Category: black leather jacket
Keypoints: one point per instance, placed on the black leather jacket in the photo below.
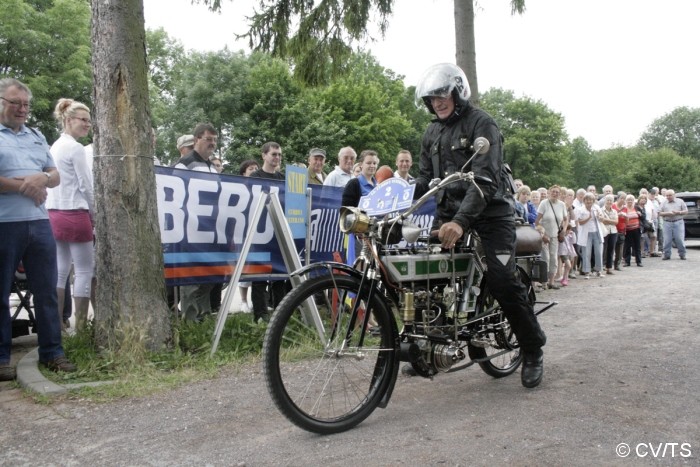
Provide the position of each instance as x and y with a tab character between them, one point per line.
451	141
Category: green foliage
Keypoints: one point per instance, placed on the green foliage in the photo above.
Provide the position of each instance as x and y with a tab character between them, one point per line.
368	102
678	130
535	140
581	157
47	46
165	57
254	99
630	169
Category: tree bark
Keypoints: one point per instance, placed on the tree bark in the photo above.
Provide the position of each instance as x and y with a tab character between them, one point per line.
465	44
129	258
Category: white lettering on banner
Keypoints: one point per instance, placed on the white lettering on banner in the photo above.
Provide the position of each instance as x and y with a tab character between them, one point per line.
172	207
196	209
314	219
233	200
233	212
268	234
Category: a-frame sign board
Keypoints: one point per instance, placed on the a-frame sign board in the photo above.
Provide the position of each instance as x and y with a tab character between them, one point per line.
286	242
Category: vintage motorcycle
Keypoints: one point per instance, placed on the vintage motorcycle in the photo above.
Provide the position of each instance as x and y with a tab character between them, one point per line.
334	344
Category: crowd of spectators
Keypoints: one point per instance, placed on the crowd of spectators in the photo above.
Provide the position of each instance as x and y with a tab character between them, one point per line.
589	236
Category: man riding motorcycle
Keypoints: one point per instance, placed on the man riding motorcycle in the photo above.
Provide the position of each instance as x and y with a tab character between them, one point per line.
446	147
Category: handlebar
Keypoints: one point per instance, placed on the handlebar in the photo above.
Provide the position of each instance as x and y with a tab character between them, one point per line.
481	146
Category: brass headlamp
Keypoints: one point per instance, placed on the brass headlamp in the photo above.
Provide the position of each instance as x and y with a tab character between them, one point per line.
354	220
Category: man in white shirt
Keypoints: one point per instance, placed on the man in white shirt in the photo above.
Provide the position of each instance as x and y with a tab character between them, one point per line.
404	161
343	171
607	190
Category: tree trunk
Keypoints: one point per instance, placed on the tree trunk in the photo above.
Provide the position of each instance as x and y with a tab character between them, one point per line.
131	303
465	44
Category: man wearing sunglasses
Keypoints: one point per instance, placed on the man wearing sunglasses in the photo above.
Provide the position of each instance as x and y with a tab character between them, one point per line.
272	164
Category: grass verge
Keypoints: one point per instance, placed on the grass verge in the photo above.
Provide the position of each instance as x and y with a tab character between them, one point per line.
135	372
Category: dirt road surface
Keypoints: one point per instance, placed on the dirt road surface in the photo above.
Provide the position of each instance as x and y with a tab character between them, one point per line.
621	366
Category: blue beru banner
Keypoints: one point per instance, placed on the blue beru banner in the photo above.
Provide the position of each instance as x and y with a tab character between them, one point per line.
204	218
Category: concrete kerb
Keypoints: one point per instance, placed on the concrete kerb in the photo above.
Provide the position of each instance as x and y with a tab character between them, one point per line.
30	378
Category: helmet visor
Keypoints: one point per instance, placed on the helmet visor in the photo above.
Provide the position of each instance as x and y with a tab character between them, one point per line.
437	81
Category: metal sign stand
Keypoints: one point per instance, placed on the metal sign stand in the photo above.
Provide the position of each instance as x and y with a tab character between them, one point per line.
284	236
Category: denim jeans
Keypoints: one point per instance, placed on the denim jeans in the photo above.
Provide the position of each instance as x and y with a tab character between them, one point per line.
592	245
674	231
32	243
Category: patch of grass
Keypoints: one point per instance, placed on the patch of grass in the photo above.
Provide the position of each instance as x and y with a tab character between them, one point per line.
134	371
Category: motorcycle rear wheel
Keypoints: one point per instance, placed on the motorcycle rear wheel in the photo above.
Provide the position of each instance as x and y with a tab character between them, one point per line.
505	364
327	377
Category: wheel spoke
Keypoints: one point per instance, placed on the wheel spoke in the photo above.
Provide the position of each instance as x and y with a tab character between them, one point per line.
328	385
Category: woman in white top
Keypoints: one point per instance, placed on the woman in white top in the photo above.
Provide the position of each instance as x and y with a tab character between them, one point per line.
71	206
589	239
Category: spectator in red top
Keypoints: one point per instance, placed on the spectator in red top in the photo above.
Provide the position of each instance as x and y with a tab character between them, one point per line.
633	233
621	223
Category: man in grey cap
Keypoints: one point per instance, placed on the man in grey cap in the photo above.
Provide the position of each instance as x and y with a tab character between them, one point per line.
317	157
185	144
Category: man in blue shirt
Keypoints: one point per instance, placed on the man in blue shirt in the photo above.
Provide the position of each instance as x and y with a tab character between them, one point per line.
26	171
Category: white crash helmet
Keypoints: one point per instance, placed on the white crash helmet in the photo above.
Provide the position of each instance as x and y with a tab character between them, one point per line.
439	81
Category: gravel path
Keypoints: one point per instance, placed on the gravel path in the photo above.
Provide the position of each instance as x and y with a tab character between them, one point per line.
621	366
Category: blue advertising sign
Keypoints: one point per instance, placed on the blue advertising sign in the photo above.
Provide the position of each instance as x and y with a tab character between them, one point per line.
296	182
393	194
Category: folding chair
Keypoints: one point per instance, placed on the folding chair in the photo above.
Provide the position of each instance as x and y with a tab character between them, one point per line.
20	287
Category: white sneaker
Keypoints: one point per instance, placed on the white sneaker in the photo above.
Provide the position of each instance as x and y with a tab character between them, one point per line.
245	308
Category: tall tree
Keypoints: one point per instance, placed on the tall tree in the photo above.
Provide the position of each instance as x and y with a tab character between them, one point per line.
165	62
131	289
581	159
319	35
366	103
465	40
536	144
46	44
678	130
325	31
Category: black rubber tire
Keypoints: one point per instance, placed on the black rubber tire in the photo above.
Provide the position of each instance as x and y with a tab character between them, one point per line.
506	364
330	388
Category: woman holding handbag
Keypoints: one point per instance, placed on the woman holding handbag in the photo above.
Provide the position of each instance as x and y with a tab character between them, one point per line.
551	223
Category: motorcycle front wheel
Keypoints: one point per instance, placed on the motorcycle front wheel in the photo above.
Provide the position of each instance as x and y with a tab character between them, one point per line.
324	372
